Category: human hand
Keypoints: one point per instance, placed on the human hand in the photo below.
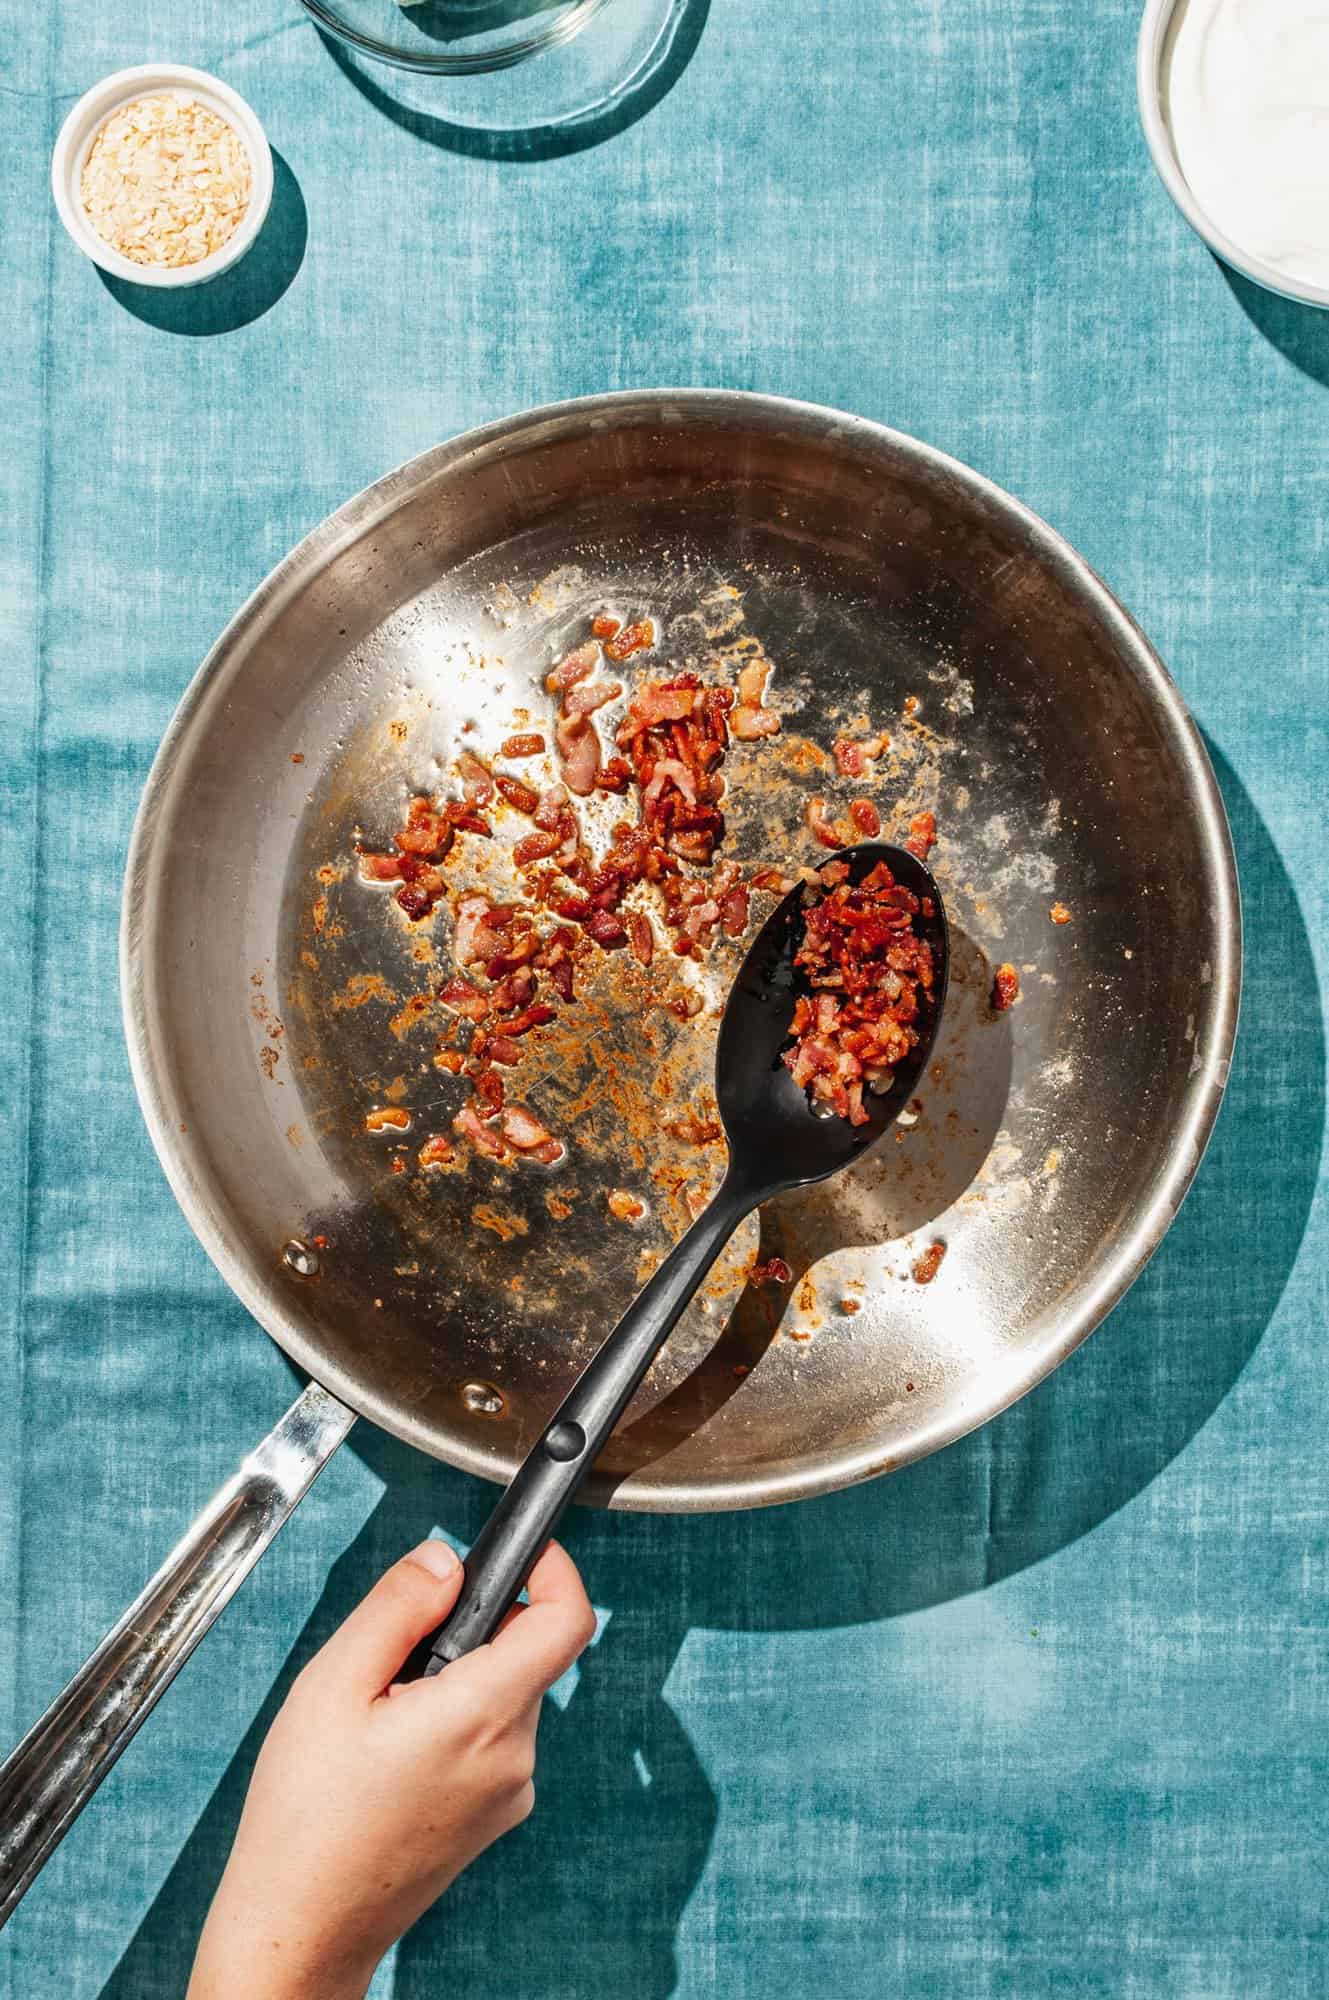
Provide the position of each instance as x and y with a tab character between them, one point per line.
370	1797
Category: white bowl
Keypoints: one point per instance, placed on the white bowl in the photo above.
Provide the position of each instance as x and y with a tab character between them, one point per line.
86	119
1152	55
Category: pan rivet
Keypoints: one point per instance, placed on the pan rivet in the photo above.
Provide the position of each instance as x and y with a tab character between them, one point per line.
298	1257
482	1399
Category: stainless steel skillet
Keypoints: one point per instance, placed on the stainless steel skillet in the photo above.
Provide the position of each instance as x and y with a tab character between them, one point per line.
270	1002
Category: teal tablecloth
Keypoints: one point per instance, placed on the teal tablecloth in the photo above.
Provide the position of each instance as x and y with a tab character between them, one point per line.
1043	1716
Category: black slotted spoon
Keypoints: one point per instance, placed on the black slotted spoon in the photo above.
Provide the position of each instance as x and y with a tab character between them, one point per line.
776	1142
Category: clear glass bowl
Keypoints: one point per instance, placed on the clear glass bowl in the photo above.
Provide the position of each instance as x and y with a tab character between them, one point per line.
453	37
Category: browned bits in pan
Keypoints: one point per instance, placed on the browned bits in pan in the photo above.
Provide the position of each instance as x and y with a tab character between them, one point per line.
922	834
516	793
634	638
1005	988
927	1266
388	1118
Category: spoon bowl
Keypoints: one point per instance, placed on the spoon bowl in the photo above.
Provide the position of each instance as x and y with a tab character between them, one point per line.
771	1127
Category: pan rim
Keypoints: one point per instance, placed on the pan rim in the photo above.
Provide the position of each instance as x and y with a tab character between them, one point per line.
1094	1297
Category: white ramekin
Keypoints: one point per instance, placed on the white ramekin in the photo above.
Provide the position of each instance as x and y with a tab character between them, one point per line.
86	119
1151	62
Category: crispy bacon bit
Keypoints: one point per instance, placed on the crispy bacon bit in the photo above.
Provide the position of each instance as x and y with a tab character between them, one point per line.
1059	914
685	1002
751	719
468	1124
471	911
489	1092
590	695
414	898
748	724
530	1017
1005	988
502	1049
660	701
574	732
866	818
551	809
548	1155
606	929
529	744
922	834
436	1152
465	999
773	1272
579	748
867	976
535	847
427	831
615	776
734	911
389	1118
451	1060
477	781
641	937
773	880
818	824
927	1266
603	626
574	667
518	795
380	868
634	638
624	1206
466	819
423	839
855	760
523	1131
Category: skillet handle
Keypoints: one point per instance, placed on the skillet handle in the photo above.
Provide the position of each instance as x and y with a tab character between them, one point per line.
49	1778
504	1553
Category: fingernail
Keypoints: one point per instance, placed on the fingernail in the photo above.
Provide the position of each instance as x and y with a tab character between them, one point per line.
437	1557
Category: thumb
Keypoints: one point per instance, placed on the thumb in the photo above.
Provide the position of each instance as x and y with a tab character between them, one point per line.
368	1651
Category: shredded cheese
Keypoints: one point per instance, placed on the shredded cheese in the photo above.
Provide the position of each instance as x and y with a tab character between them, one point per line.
166	180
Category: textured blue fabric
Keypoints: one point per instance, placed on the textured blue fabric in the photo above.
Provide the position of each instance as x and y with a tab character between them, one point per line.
1043	1716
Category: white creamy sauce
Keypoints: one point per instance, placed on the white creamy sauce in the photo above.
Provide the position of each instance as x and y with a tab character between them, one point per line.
1247	99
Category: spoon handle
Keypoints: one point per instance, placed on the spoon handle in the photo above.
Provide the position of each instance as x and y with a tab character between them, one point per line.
506	1548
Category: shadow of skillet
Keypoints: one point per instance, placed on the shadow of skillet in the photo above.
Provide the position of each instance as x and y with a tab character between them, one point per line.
1035	1479
558	138
245	292
896	1189
1299	331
